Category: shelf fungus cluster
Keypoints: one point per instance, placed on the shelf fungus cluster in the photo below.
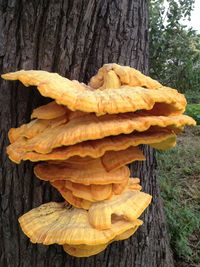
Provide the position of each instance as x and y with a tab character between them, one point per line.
83	140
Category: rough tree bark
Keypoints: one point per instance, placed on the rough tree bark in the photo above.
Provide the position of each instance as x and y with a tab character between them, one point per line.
73	38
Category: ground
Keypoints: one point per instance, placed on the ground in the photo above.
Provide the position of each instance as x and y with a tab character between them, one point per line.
178	171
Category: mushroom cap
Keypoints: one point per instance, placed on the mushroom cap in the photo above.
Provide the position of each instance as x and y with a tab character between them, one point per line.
84	250
95	173
135	187
53	110
56	223
130	205
35	127
88	250
92	193
82	196
91	127
77	96
120	187
113	76
112	160
49	111
162	138
68	195
98	192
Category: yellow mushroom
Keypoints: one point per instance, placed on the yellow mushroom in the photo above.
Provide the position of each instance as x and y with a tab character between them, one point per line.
49	111
90	250
94	148
126	75
76	173
129	205
77	96
57	223
112	160
34	128
91	127
75	193
87	136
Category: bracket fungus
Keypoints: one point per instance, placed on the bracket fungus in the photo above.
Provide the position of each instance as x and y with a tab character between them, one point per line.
49	111
95	173
94	148
131	97
91	127
57	223
129	205
85	137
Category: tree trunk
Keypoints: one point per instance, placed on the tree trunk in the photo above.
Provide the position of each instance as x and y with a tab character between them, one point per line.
73	38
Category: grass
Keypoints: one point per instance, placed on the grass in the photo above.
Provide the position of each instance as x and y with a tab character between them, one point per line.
193	110
193	107
178	171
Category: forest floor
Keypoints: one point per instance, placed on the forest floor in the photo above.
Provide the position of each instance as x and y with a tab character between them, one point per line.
178	171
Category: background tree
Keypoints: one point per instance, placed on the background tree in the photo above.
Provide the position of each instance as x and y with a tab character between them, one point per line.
174	49
73	38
